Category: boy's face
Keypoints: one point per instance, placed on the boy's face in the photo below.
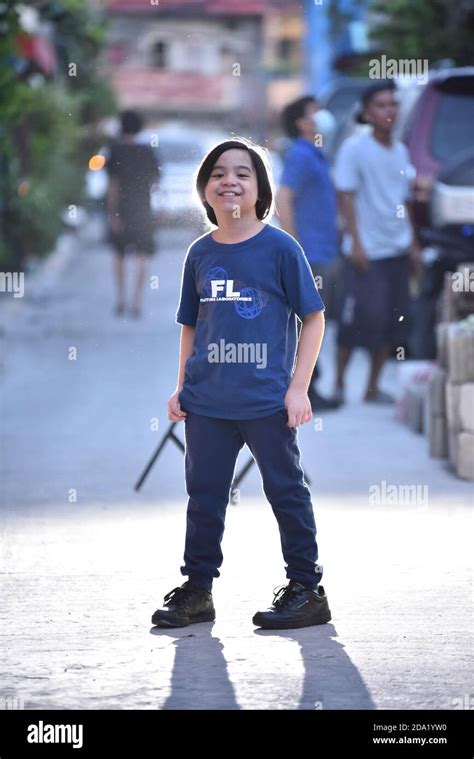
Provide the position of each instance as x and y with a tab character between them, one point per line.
382	110
306	124
232	186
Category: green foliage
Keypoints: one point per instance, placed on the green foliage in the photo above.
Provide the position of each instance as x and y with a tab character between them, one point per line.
45	134
431	29
56	165
96	101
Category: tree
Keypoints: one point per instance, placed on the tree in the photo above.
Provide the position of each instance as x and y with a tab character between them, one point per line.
431	29
46	126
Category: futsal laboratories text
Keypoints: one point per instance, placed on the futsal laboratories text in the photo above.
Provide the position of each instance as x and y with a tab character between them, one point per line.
218	285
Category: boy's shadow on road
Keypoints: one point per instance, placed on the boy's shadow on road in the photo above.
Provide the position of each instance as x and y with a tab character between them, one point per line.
200	678
331	680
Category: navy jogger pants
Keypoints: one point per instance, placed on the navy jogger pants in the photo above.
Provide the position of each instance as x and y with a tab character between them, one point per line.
212	447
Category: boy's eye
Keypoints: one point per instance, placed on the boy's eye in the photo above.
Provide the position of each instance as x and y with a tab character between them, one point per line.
220	174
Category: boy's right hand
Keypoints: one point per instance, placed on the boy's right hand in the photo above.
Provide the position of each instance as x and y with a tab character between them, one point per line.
358	257
174	409
115	224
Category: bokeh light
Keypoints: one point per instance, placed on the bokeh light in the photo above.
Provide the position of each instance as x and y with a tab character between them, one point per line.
96	162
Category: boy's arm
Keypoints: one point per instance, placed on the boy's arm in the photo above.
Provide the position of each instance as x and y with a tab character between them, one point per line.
292	180
309	345
284	205
112	203
346	204
347	179
296	399
416	253
186	347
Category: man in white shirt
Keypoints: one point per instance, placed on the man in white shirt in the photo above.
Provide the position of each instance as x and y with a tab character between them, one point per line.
373	178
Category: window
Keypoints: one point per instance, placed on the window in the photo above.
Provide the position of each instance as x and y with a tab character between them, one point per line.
285	48
159	55
454	117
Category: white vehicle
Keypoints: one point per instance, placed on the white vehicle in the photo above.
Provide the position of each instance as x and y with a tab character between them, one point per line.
180	151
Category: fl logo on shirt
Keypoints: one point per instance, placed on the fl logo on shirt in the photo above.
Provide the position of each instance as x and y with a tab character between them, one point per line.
218	286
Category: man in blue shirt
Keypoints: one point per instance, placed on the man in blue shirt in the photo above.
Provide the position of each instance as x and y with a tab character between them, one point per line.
306	203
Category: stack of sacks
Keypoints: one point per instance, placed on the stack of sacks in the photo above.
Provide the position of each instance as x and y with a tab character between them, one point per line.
458	343
436	414
412	380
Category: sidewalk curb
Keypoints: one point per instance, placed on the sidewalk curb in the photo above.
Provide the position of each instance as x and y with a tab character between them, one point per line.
41	282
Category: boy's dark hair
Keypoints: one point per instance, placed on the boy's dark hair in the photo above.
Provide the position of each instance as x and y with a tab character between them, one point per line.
368	94
293	112
131	122
265	193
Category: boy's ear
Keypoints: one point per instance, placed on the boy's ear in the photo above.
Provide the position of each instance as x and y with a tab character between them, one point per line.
298	122
361	116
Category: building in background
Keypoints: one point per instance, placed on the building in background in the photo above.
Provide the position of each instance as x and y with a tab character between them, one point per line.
283	56
235	63
223	60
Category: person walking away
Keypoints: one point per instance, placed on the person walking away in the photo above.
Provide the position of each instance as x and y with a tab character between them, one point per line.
244	284
306	204
133	169
373	177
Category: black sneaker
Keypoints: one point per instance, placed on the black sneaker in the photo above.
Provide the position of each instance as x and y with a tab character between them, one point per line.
319	403
185	606
295	606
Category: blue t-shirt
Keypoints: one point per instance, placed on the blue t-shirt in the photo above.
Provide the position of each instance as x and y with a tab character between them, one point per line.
306	172
243	299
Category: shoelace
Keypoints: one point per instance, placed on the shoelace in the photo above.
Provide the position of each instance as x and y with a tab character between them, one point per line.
282	594
179	596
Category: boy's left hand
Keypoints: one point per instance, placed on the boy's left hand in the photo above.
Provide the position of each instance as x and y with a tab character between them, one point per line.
416	260
298	407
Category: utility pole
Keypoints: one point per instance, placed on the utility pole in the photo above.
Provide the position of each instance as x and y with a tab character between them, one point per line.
318	52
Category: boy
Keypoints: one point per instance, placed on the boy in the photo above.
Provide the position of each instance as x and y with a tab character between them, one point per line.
243	285
306	203
373	178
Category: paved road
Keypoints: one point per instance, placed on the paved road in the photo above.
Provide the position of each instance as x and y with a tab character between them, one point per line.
85	559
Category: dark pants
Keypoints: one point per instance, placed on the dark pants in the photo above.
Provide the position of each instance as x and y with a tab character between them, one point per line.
326	287
375	304
212	446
